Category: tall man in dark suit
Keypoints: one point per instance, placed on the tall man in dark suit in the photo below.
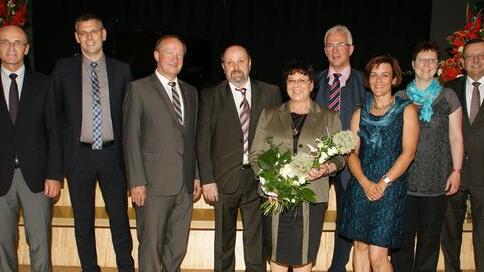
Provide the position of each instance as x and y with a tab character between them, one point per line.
89	90
224	136
341	89
470	90
160	118
30	164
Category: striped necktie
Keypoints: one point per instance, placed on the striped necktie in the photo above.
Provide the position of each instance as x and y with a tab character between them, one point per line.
244	118
176	102
97	131
335	94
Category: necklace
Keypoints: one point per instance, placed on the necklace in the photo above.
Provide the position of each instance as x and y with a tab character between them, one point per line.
297	127
382	108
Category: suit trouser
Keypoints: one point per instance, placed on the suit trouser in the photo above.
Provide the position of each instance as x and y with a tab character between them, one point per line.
163	226
226	209
103	165
36	209
424	218
451	237
342	246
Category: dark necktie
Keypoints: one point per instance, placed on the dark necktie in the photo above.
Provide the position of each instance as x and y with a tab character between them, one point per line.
475	101
13	99
335	93
244	118
97	132
176	102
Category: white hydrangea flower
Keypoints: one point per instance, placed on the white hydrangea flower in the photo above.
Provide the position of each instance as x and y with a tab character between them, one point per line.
286	171
301	180
262	180
312	148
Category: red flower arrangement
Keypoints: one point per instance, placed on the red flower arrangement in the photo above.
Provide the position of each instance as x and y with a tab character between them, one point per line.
13	12
451	68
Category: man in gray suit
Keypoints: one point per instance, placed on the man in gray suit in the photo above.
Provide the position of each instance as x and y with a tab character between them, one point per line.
229	113
159	118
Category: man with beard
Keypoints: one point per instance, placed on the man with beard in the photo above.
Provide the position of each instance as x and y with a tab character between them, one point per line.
229	113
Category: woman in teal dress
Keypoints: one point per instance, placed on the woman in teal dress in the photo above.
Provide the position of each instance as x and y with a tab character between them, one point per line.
388	132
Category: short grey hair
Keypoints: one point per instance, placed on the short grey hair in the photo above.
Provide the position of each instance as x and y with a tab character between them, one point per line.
339	28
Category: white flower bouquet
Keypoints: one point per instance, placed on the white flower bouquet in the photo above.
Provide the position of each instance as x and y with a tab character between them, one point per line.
284	178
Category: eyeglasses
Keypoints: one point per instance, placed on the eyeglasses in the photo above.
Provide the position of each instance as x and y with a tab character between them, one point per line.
16	44
427	61
89	33
302	82
479	57
338	46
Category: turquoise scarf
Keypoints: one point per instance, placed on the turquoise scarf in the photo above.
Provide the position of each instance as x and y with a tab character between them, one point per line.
424	98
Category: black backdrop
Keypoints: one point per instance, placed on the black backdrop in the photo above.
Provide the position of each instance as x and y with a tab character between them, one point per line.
274	31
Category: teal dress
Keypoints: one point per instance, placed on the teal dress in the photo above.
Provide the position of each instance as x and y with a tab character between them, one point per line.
379	222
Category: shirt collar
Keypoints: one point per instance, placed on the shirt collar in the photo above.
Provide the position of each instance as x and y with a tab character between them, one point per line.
101	61
470	81
246	86
345	74
20	72
165	80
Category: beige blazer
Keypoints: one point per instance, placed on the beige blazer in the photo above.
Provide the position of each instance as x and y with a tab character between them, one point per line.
276	122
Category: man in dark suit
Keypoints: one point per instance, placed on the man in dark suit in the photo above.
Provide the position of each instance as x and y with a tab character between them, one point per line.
160	118
470	91
89	90
341	89
30	164
229	113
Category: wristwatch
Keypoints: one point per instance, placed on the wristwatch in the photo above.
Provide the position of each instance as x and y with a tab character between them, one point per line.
388	181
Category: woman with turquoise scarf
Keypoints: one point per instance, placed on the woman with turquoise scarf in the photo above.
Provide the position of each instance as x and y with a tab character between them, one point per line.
435	172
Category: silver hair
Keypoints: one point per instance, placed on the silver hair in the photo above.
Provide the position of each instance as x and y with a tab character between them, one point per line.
339	28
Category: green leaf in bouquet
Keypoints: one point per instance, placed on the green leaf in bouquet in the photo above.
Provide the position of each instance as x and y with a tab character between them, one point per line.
308	195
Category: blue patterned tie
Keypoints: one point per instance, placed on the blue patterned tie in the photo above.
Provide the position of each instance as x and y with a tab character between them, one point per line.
97	132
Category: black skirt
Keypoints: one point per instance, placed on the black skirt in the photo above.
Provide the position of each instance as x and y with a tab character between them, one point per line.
293	237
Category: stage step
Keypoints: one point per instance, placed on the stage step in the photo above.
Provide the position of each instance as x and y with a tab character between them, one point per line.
200	246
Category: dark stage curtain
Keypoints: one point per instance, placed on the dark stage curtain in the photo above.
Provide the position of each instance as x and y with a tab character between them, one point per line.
274	31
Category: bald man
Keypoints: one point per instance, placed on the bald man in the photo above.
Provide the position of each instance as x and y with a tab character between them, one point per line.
223	157
30	158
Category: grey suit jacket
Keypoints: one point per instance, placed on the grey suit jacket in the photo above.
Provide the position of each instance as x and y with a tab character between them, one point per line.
158	152
219	133
473	170
276	122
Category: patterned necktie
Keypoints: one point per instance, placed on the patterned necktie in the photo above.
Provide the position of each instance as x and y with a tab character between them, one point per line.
97	132
475	101
13	99
244	118
176	102
335	94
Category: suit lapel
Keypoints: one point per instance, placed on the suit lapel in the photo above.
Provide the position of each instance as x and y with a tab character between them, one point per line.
75	82
25	95
158	87
255	109
111	74
187	105
3	104
228	99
